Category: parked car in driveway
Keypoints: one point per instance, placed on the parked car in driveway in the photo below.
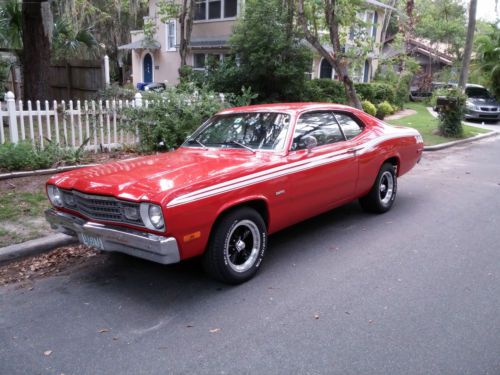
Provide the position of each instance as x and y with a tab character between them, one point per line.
244	174
481	105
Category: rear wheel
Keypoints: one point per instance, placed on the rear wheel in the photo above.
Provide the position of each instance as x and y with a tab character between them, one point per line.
236	247
383	193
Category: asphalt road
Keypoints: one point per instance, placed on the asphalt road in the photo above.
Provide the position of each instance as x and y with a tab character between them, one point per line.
414	291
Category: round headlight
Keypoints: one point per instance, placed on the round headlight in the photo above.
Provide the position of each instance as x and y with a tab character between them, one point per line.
156	216
55	195
131	213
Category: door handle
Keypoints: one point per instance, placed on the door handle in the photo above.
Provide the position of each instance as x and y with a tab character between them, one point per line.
353	150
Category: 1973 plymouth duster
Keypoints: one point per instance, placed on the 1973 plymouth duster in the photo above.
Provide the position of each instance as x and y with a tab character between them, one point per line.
244	174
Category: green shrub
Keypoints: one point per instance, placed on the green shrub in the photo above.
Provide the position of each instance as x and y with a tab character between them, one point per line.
369	107
174	114
450	117
324	90
376	92
384	109
116	92
25	156
402	94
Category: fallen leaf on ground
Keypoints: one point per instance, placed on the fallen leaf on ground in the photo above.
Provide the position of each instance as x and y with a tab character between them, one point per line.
104	330
316	316
47	353
215	330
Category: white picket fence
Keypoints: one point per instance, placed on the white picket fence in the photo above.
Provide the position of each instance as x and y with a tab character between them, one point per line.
70	124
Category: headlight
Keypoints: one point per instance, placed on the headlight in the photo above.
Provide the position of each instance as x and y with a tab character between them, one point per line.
156	216
470	105
55	195
152	216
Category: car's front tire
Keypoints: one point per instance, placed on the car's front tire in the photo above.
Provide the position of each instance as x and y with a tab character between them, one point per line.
236	247
383	193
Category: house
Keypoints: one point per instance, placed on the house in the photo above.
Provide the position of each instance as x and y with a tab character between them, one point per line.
432	58
158	60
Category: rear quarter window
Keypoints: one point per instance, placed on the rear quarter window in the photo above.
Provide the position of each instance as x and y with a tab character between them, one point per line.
350	126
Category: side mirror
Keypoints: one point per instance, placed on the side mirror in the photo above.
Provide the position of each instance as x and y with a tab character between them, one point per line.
310	142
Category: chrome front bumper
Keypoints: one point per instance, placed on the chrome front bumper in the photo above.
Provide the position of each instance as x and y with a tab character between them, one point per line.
148	246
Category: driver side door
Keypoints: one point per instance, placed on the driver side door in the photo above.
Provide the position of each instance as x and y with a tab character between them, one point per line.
324	176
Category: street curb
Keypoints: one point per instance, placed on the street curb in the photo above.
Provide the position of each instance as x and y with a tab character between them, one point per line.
35	247
461	141
42	172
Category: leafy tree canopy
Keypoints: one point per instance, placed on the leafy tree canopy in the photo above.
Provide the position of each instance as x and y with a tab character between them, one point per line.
273	60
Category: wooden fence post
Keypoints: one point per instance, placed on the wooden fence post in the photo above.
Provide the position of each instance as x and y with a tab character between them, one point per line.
11	110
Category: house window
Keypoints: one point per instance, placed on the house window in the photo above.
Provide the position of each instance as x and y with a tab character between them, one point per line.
170	32
230	8
215	9
366	72
326	70
374	25
199	61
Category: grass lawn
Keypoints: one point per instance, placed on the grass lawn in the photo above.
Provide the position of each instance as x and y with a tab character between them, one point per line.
426	124
13	205
21	215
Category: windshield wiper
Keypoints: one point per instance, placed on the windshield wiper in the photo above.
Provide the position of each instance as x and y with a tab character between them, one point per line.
198	141
232	141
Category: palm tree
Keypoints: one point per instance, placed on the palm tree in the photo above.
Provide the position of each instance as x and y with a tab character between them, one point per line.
68	42
487	59
11	25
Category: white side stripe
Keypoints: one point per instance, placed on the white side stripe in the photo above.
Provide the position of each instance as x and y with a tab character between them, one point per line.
280	171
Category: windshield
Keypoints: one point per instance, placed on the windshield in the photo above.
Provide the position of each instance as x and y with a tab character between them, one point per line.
477	92
252	131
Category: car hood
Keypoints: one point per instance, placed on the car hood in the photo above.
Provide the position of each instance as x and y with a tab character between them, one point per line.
482	101
162	177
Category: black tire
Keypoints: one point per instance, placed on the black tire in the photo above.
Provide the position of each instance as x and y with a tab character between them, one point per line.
383	193
236	247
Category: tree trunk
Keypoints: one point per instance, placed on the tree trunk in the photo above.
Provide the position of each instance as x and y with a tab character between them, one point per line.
37	37
186	28
335	59
464	73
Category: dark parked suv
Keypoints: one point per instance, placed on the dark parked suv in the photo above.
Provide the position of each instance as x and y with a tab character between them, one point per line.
481	105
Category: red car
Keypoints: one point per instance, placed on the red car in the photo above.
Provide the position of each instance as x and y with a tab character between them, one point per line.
244	174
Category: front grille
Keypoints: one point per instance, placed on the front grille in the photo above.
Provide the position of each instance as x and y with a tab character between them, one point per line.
489	109
99	207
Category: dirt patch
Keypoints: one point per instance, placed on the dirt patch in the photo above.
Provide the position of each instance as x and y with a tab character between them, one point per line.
25	271
24	184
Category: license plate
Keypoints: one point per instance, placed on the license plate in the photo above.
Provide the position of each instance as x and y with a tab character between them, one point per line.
92	241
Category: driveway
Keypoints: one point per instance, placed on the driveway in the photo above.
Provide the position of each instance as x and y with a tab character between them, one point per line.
413	291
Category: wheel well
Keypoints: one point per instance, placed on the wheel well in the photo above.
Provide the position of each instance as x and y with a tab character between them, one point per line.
395	162
258	205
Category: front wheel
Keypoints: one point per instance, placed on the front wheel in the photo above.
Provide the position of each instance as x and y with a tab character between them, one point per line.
236	247
383	193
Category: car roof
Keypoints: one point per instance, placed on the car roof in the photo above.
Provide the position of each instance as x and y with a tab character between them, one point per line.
472	85
286	107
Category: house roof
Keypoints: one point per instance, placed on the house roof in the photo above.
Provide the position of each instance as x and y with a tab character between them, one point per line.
209	42
142	44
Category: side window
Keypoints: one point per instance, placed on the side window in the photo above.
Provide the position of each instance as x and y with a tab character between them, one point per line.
350	127
320	125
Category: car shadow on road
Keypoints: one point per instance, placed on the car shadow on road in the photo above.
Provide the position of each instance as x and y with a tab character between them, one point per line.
184	286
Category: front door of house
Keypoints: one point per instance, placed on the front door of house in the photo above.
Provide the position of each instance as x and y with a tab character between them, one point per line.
148	68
